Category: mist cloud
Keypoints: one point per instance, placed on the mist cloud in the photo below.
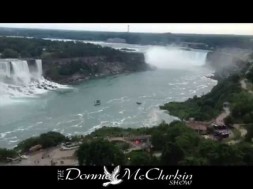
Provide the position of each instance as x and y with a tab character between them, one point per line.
174	58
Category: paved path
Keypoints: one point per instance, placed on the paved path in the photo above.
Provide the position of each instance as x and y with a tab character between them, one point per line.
220	119
47	156
132	144
244	86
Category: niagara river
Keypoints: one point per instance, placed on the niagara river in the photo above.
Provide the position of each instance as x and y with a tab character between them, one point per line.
31	105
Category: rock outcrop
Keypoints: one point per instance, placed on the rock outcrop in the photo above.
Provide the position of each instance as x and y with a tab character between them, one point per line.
75	70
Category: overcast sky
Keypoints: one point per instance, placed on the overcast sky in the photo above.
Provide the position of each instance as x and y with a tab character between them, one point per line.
240	29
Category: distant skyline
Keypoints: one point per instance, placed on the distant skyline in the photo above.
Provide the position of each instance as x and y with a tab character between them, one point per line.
236	28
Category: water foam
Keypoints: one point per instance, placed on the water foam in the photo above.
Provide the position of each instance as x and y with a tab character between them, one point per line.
175	58
18	79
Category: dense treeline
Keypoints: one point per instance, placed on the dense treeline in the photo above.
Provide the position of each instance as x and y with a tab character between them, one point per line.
249	74
182	146
99	152
134	38
178	144
7	153
207	106
242	106
46	140
242	113
45	49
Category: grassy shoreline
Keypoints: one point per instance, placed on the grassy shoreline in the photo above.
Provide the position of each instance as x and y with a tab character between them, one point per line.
208	106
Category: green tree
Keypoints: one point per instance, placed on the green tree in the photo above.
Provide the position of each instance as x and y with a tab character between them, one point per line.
247	151
99	152
221	154
176	129
26	144
206	148
51	139
242	107
140	158
165	133
10	53
249	75
188	142
249	135
228	120
191	160
207	106
248	118
6	153
48	139
158	139
172	154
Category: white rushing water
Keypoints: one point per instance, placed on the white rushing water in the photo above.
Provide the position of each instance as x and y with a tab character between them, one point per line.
19	80
5	69
175	58
73	112
21	73
39	68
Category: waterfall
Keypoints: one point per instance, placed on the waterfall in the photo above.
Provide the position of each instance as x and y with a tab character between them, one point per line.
39	68
175	58
20	79
18	71
5	69
21	73
194	57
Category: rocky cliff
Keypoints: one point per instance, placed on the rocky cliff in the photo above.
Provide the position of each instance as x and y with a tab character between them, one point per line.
75	70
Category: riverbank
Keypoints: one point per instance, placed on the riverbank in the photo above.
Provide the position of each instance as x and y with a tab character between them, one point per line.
48	157
222	109
143	146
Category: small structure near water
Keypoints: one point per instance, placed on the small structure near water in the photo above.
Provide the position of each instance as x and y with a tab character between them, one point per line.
200	129
198	126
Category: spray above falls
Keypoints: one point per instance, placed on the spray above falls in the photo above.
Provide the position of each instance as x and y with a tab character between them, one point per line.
175	58
23	78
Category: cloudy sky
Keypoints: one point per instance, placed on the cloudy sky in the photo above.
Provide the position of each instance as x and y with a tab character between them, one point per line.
240	29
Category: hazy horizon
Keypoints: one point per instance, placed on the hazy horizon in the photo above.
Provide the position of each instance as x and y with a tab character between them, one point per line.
201	28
